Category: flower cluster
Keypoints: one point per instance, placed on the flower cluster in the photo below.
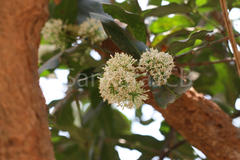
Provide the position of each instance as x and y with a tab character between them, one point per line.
119	84
158	64
58	33
92	30
53	32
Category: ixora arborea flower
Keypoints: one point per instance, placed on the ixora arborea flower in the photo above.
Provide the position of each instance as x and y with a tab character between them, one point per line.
158	64
53	31
92	30
58	33
119	84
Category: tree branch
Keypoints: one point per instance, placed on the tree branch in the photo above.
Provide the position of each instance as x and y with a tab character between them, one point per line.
227	60
194	50
167	151
203	124
229	29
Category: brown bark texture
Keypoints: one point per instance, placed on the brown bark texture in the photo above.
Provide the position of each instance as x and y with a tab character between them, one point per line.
24	133
204	125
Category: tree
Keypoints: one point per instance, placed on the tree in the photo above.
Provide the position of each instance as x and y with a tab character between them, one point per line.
23	120
194	35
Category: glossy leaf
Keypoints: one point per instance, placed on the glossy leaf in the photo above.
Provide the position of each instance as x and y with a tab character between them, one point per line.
155	2
122	38
179	45
134	21
166	23
168	9
67	10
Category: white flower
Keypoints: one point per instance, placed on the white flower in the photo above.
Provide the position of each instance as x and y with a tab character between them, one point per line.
53	32
158	64
119	84
92	30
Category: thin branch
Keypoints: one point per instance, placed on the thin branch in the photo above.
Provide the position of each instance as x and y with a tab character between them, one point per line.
79	111
229	29
235	115
208	20
61	103
167	151
71	90
52	62
207	63
132	145
194	50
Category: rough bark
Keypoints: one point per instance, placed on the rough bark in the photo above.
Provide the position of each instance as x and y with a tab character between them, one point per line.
202	123
24	133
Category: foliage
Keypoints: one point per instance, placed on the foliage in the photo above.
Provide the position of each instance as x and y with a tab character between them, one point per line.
185	29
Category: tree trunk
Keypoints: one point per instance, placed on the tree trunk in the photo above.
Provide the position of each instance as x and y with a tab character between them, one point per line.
24	133
203	124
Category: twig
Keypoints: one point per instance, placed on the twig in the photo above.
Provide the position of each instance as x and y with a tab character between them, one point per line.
202	47
235	115
132	144
167	151
51	63
208	20
69	94
61	103
207	63
229	29
79	111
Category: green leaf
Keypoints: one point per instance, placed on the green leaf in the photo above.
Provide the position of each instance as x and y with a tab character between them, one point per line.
134	21
109	153
166	23
226	84
155	2
67	149
51	63
64	116
179	45
165	128
169	93
176	1
130	5
184	152
121	124
146	144
121	37
161	39
168	9
145	156
104	117
200	3
86	7
67	10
